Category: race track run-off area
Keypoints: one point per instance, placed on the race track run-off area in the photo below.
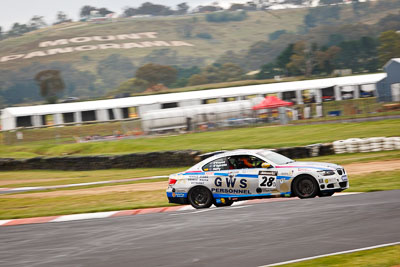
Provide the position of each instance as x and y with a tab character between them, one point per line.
245	235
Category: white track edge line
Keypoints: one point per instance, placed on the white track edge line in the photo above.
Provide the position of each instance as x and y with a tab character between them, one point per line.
84	216
331	254
4	221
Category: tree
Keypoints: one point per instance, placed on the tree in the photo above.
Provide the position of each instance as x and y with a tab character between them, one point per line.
51	84
182	8
130	11
85	11
18	29
153	9
230	72
36	22
325	59
115	69
232	57
155	74
131	86
303	59
104	11
389	46
1	33
284	57
61	17
197	79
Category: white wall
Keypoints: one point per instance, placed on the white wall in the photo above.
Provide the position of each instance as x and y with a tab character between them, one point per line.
8	121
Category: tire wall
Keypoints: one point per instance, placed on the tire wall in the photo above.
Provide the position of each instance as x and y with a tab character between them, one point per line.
130	161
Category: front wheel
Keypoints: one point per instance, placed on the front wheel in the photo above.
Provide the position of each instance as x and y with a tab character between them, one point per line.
305	187
200	197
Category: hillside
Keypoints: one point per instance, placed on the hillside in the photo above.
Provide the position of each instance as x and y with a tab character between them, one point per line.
200	43
234	36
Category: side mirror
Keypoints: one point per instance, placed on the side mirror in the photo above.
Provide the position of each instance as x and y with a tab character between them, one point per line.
266	165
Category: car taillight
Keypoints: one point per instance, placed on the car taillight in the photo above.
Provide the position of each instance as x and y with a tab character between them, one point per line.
172	181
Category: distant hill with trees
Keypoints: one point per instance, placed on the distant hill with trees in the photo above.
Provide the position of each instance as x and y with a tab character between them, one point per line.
222	46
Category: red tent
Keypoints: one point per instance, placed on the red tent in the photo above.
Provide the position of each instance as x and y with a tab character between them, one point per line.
272	102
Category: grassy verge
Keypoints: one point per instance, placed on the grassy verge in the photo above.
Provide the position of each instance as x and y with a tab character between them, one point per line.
376	181
380	257
48	206
13	179
253	137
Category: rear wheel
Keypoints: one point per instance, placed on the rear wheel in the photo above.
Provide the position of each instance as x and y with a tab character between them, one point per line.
305	187
200	197
225	204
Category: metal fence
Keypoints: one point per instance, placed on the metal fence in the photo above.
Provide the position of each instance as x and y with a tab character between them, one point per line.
133	128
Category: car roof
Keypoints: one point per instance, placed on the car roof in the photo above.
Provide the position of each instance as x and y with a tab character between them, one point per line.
226	154
240	151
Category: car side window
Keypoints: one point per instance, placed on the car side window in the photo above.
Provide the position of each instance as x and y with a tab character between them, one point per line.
217	165
245	162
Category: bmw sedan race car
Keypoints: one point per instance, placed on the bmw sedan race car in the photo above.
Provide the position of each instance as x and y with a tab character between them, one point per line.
247	174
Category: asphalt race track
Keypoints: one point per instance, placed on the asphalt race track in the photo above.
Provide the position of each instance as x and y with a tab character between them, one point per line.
248	235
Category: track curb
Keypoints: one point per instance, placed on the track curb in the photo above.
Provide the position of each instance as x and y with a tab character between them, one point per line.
120	213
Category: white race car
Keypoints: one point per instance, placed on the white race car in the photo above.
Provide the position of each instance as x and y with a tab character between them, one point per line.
238	175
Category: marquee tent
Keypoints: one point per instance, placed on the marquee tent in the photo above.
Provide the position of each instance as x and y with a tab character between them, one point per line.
272	102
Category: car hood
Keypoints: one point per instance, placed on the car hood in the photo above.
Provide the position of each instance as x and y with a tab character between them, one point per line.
299	164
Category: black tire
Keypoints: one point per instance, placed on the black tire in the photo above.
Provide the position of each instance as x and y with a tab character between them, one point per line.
226	204
200	197
326	194
305	187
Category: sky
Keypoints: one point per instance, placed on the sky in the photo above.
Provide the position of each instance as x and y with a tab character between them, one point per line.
22	10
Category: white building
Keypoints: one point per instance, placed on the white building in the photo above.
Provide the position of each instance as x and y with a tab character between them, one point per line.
131	107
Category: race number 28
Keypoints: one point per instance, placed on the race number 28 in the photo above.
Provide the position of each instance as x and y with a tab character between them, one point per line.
268	182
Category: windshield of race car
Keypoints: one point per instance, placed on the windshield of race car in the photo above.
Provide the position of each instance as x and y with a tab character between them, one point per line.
275	157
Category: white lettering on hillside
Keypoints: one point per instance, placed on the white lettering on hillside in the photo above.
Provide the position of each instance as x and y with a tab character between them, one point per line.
84	39
155	43
82	48
36	54
54	43
12	57
60	50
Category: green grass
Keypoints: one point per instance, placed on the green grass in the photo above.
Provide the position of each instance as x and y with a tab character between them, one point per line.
49	206
251	137
376	181
50	177
379	257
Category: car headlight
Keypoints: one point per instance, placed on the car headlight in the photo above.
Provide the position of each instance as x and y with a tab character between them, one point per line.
327	172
